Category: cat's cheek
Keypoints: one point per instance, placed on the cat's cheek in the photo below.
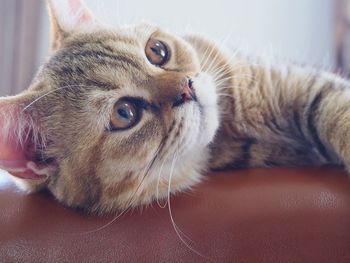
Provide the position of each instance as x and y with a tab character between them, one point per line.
205	89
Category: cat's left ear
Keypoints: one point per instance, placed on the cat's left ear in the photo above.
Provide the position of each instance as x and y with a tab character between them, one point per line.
20	136
66	17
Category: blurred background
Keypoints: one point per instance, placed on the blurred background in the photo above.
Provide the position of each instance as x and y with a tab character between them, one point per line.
306	31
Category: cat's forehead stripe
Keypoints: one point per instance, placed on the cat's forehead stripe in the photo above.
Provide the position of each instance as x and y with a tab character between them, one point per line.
89	57
101	55
80	65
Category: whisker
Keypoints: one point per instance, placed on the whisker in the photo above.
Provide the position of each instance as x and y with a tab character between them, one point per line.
214	60
50	92
208	56
176	228
240	77
225	95
229	66
131	200
222	70
158	182
204	56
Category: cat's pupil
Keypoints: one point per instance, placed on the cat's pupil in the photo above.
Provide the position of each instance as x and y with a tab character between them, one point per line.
124	113
160	52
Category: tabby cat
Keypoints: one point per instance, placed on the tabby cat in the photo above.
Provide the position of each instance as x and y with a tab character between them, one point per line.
119	117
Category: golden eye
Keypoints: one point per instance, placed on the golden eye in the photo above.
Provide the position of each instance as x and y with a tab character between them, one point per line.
125	115
157	52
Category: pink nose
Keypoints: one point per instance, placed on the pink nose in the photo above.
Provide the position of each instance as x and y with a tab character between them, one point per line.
187	93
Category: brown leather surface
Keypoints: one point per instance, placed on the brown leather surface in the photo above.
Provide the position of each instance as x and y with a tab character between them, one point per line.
262	215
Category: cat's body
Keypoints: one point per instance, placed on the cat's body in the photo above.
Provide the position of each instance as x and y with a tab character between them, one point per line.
268	110
271	116
120	117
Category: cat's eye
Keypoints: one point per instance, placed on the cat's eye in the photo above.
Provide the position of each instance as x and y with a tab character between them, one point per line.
157	52
125	115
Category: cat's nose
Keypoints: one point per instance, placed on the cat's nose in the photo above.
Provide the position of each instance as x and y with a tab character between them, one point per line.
186	92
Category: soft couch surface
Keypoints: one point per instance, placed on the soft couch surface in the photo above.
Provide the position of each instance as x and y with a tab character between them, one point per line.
256	215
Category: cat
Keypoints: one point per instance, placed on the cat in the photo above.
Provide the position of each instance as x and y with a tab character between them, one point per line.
119	117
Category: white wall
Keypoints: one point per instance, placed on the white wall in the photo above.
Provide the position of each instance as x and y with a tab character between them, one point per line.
297	29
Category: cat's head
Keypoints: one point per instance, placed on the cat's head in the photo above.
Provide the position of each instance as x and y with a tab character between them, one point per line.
112	116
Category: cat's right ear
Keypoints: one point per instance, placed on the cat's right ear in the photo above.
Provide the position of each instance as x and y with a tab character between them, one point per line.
67	17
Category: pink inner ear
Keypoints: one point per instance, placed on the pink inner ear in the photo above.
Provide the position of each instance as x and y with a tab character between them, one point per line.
77	7
14	157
